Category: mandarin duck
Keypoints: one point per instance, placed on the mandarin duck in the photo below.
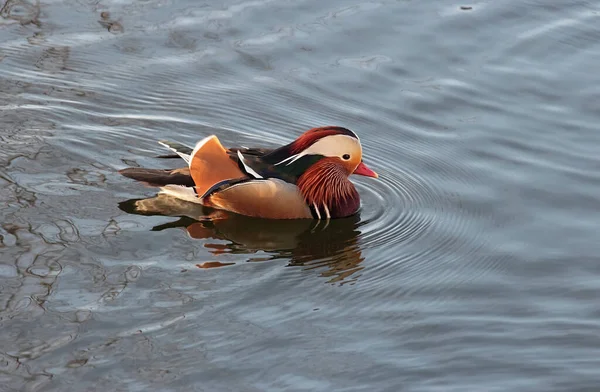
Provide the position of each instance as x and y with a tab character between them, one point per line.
301	239
307	178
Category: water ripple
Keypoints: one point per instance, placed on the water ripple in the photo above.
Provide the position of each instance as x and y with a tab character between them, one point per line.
479	236
412	222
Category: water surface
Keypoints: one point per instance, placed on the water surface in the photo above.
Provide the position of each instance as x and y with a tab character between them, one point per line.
472	265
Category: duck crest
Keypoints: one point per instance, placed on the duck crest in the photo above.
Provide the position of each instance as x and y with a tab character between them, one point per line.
312	135
328	191
307	178
304	141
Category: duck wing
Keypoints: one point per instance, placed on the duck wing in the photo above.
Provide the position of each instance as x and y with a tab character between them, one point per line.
250	161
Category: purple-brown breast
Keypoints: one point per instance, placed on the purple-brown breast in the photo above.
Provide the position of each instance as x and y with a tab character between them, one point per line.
326	183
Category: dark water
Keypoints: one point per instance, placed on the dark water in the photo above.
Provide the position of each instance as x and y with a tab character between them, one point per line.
473	266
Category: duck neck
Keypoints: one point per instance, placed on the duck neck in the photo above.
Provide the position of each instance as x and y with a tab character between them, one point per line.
328	191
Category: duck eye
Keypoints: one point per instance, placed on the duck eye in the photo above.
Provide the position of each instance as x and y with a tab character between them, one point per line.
346	156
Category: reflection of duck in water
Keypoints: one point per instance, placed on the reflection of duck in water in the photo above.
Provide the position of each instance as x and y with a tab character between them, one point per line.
332	245
307	178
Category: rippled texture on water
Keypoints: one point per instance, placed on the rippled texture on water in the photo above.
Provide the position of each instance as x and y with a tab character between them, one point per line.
472	266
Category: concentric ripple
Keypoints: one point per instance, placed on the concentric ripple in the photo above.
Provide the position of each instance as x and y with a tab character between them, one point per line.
472	264
415	219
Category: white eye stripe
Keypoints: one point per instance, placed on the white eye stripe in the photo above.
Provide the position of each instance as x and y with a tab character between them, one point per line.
329	146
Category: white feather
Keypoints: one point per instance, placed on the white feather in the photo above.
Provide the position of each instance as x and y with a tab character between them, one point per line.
291	159
249	170
317	211
327	211
181	192
185	157
329	146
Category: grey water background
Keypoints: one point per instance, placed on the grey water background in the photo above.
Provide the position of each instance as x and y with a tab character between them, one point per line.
473	265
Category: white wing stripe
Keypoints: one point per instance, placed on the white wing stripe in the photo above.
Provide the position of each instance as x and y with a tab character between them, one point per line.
287	159
248	169
185	157
327	211
317	211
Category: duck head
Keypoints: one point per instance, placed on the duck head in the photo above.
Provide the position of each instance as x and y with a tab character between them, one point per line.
331	142
323	159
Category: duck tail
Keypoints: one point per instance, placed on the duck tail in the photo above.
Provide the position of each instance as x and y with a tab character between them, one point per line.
159	177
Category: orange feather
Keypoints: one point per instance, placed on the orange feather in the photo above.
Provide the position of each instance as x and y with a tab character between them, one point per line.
211	164
326	184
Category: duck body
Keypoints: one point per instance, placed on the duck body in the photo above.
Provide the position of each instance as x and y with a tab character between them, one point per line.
305	179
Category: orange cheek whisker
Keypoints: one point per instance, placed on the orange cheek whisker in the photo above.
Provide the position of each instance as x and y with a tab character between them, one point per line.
326	183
